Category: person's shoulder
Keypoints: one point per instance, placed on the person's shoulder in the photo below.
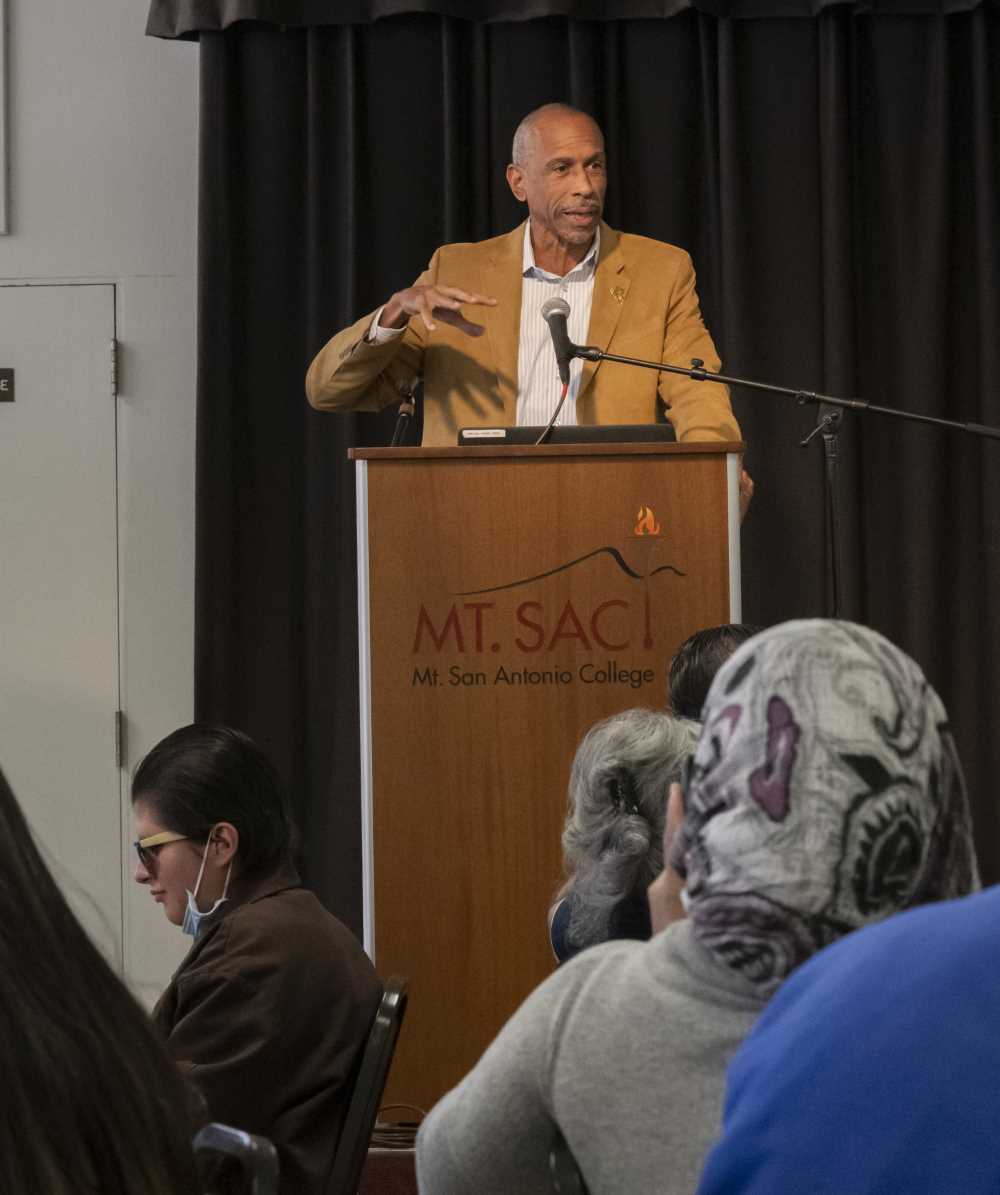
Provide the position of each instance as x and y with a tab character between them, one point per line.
671	962
580	970
487	250
603	990
605	964
581	982
291	924
648	251
935	939
294	909
933	956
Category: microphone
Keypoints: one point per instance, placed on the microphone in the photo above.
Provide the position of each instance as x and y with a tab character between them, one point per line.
554	312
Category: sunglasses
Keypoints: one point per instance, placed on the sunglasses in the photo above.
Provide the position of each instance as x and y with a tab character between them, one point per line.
148	849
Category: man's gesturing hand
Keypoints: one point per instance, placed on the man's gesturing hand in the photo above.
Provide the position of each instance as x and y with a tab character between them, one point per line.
431	303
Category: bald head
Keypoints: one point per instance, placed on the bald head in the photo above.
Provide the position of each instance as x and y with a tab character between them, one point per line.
526	133
559	172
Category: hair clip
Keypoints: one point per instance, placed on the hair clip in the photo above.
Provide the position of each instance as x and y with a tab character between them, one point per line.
623	793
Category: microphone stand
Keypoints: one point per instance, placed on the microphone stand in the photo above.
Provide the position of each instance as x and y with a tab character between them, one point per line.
828	426
410	392
698	373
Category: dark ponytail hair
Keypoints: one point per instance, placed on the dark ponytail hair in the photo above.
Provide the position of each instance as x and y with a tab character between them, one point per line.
92	1101
696	662
202	775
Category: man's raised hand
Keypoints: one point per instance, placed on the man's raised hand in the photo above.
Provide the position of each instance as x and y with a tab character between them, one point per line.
432	303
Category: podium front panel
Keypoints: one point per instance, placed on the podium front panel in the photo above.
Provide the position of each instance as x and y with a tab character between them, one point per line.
507	603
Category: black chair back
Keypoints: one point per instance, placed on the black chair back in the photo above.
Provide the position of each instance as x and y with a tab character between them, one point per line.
566	1176
373	1071
254	1156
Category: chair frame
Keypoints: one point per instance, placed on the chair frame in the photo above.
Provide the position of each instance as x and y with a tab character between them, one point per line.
373	1071
256	1155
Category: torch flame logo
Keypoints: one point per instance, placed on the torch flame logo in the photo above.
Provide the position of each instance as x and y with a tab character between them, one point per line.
646	523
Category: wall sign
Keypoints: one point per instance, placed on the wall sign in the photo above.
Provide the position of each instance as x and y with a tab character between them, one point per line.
6	385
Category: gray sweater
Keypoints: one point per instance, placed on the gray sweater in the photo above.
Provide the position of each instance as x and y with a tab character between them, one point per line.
624	1050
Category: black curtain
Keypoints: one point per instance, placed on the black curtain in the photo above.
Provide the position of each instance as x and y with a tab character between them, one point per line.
836	180
191	18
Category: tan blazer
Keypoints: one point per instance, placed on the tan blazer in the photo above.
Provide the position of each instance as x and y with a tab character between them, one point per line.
645	305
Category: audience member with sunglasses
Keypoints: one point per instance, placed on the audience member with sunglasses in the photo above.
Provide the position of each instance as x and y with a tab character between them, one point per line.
271	1006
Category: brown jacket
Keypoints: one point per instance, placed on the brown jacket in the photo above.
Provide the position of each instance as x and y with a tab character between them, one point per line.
645	305
267	1015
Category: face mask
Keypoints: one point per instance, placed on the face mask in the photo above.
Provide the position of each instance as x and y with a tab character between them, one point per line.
194	918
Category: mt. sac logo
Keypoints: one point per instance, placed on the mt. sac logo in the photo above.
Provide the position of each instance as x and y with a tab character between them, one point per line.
610	618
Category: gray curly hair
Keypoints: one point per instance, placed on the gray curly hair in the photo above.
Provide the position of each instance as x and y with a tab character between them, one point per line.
613	836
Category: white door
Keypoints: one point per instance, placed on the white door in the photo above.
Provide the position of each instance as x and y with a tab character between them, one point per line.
58	588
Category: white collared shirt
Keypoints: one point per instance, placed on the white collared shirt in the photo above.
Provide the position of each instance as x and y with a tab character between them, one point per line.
538	385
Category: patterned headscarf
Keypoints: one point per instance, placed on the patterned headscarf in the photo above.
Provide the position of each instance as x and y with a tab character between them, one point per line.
825	793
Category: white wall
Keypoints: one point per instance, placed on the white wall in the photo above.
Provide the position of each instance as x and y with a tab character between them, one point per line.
103	137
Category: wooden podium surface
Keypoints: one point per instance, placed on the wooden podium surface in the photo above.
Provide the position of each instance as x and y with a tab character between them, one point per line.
508	599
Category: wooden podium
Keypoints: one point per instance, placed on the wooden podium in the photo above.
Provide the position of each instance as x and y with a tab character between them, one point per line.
509	597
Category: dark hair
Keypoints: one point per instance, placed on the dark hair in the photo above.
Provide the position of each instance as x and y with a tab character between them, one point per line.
92	1101
202	775
696	662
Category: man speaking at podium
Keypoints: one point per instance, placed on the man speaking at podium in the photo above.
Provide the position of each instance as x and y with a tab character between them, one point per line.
472	324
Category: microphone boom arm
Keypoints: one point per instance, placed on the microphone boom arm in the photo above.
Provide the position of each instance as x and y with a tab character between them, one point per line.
698	373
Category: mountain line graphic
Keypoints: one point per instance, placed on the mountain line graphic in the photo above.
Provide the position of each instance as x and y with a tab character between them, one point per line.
615	555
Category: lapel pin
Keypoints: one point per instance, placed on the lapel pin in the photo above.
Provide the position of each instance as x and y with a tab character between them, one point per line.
618	294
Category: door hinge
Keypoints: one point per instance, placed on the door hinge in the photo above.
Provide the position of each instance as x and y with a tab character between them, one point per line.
113	346
119	738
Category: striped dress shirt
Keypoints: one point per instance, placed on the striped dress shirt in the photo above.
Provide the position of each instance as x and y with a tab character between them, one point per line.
538	385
